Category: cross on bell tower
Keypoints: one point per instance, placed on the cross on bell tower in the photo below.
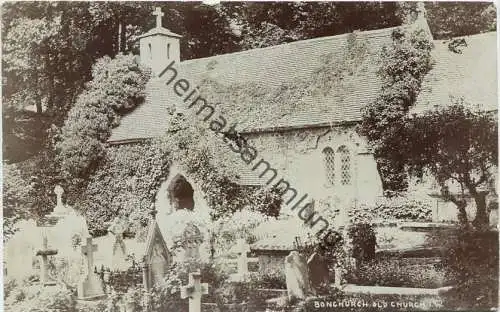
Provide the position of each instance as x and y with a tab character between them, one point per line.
159	46
159	14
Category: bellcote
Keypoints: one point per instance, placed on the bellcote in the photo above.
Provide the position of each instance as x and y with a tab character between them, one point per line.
159	46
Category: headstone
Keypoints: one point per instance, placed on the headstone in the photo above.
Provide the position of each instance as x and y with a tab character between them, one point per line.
297	276
119	258
318	271
90	287
45	252
157	257
194	290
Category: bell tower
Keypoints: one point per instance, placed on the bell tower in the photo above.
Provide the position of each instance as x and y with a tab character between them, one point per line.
159	46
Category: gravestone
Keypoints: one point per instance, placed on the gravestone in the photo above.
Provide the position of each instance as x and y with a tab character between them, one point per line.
157	258
119	257
90	287
297	276
194	290
319	275
45	252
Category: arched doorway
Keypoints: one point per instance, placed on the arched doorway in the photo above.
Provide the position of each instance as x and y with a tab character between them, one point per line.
180	193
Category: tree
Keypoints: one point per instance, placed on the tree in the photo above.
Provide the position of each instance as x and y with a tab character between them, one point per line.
455	145
454	19
271	23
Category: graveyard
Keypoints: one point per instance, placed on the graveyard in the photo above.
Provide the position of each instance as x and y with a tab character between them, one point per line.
266	271
324	164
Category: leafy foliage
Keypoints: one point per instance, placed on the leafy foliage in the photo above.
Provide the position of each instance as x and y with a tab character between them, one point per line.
34	298
471	262
125	182
402	71
455	145
118	85
362	236
397	273
265	24
453	19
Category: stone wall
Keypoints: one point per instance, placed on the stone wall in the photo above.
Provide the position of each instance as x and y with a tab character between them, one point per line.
298	157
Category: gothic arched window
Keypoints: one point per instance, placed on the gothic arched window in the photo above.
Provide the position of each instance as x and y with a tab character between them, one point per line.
345	165
329	159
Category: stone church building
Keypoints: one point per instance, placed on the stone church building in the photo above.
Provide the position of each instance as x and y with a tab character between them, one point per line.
298	105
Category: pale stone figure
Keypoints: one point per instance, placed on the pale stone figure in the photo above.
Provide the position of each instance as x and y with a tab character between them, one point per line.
297	276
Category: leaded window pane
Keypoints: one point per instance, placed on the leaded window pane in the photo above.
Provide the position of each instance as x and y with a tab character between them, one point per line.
345	166
329	159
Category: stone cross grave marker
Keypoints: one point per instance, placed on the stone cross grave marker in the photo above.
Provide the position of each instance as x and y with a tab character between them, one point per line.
45	252
297	276
318	271
194	290
118	261
159	14
90	287
243	260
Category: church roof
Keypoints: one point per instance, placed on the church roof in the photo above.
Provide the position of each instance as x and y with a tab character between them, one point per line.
270	87
471	74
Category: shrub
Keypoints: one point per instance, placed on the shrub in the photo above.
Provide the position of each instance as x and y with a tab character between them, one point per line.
396	273
363	241
471	263
117	86
33	298
404	207
270	279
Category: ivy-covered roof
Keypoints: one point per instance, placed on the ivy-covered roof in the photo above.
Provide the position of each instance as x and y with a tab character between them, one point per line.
305	83
317	82
463	68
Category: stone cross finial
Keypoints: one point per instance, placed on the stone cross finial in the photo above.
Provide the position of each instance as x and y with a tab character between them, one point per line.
45	252
159	14
194	290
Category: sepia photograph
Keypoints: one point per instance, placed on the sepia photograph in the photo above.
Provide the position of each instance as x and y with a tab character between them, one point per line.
229	156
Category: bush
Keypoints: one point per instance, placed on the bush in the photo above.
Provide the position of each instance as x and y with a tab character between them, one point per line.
404	207
395	273
471	263
33	298
363	241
